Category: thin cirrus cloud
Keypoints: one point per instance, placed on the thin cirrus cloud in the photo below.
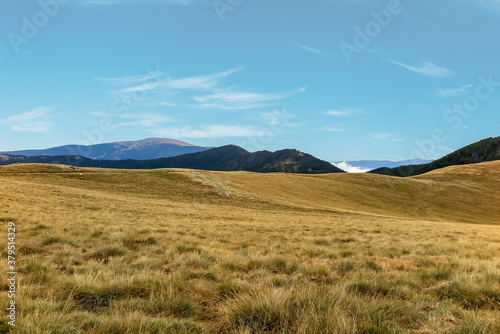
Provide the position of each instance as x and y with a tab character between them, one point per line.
445	149
428	69
333	128
168	104
123	2
156	81
350	112
36	120
214	96
379	136
203	82
351	3
279	118
144	120
453	92
228	99
207	131
131	79
311	49
343	112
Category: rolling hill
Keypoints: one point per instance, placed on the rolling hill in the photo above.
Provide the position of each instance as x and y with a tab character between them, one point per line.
225	158
467	193
190	251
481	151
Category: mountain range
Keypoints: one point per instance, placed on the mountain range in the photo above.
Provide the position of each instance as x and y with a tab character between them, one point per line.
224	158
177	154
146	149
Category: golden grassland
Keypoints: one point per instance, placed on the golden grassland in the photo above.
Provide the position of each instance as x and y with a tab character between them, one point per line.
185	251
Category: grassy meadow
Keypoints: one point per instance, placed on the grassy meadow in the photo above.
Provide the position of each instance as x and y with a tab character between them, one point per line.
185	251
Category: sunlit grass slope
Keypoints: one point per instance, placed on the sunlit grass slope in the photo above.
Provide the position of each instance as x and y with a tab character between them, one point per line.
185	251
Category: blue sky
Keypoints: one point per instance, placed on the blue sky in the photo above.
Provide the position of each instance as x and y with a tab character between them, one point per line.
342	80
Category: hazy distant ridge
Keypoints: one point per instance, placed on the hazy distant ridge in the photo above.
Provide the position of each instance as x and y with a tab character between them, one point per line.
150	148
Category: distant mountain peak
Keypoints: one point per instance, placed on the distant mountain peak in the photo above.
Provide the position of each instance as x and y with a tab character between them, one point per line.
149	148
154	141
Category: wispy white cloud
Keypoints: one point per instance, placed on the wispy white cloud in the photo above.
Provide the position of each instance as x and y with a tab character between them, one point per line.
344	112
123	2
428	68
279	118
98	113
144	120
207	131
445	149
99	2
202	82
131	79
311	49
352	3
229	99
452	92
168	104
200	92
36	120
333	128
379	136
